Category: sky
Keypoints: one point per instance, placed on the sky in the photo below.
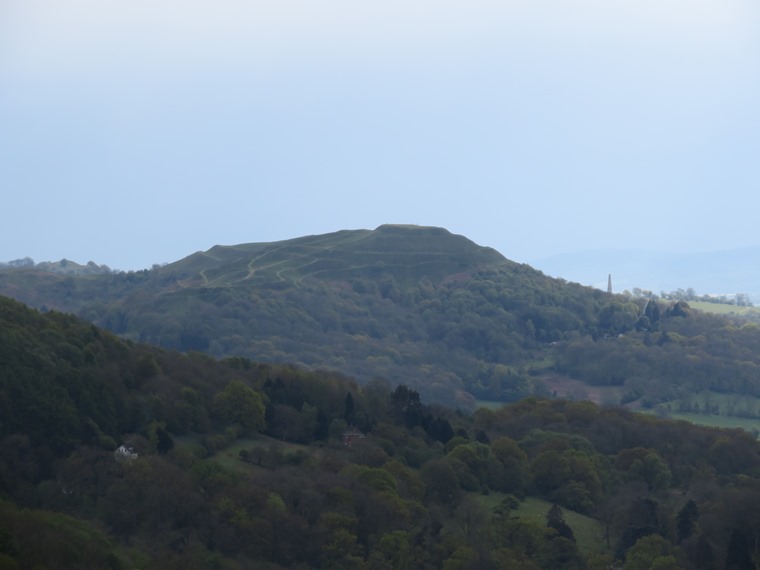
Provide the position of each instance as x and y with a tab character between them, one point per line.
134	133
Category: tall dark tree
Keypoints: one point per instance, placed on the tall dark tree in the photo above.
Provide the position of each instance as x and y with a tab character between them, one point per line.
322	429
348	409
652	312
686	521
561	553
705	558
440	429
165	442
737	553
406	405
555	519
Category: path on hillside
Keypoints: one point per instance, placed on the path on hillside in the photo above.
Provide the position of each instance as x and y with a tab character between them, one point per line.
251	264
306	259
302	255
342	242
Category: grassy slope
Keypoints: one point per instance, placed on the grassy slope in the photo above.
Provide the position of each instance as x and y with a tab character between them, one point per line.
588	531
415	252
229	457
748	424
725	309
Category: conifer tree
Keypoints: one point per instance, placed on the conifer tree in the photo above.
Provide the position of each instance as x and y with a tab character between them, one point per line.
555	519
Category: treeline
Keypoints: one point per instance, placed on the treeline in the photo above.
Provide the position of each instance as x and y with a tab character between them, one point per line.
426	487
664	352
690	294
63	266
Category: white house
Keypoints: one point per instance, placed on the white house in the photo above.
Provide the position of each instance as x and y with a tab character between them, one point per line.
125	453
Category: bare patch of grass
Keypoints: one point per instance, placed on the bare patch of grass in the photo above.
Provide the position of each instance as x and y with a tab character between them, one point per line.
588	531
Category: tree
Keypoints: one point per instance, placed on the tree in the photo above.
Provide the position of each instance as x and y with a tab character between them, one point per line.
555	519
601	561
686	522
651	552
471	519
440	429
238	403
645	465
618	317
652	312
561	553
164	442
392	551
705	558
441	481
652	470
680	309
737	553
348	409
406	406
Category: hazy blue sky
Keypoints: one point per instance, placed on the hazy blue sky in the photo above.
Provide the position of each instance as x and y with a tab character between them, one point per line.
138	132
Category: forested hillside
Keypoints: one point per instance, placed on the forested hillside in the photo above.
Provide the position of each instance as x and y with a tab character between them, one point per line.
233	464
419	306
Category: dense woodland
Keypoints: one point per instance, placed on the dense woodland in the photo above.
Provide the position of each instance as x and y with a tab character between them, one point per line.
242	465
421	307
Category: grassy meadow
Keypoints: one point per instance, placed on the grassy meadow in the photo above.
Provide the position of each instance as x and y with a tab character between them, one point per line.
751	425
589	532
725	309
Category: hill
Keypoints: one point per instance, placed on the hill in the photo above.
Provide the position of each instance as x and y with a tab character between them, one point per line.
63	266
418	306
235	464
408	253
407	303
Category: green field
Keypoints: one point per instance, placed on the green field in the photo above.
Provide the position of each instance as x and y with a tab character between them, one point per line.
725	309
752	425
589	533
490	404
718	410
229	457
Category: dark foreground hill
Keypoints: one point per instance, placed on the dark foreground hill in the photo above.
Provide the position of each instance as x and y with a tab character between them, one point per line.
233	465
419	306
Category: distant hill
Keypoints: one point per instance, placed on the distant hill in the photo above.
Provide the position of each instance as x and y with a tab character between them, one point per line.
408	303
409	253
64	266
718	272
417	306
